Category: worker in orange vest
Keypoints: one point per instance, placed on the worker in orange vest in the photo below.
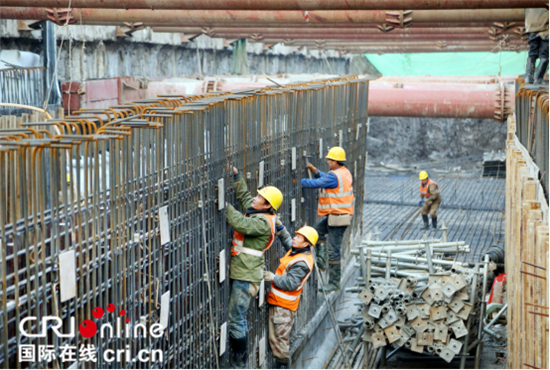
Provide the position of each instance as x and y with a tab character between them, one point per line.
336	202
286	285
430	199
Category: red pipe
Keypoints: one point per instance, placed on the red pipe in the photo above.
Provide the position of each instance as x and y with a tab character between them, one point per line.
433	100
203	17
375	38
395	44
280	4
332	30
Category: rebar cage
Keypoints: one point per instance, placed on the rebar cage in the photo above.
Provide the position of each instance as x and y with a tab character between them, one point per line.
114	208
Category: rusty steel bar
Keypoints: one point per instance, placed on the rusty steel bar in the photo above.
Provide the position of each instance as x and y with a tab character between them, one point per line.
205	17
281	4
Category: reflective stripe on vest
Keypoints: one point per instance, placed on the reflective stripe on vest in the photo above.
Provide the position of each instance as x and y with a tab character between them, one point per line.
289	300
339	200
424	189
238	240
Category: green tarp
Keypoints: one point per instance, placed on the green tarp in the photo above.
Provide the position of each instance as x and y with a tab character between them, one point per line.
450	64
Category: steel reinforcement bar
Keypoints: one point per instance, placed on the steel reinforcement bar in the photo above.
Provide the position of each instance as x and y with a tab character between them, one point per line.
532	125
112	221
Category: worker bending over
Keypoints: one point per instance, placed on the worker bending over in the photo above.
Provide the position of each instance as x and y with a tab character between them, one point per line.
336	206
254	234
286	285
430	199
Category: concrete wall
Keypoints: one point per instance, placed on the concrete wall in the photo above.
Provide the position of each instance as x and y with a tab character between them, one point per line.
100	54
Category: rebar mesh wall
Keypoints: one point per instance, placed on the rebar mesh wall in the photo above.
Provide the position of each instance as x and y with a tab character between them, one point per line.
96	182
526	259
532	125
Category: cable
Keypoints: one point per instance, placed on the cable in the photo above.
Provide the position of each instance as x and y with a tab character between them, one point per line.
45	105
499	45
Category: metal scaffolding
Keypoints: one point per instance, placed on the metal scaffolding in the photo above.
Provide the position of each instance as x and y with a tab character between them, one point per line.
121	210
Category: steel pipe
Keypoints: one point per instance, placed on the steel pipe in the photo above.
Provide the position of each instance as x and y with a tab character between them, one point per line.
205	17
381	50
442	100
280	4
365	30
259	36
308	26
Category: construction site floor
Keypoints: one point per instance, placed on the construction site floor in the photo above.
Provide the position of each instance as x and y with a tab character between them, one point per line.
472	209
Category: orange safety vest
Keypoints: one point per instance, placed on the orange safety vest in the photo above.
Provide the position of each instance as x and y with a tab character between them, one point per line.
340	199
283	298
238	239
424	189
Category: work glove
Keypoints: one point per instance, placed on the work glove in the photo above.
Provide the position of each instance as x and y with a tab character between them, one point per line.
279	225
268	276
421	202
311	167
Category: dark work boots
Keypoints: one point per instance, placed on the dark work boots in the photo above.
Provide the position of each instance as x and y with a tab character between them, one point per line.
530	70
240	353
426	222
541	70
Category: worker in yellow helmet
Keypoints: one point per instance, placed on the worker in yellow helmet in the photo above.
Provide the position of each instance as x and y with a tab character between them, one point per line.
287	284
430	199
336	202
254	234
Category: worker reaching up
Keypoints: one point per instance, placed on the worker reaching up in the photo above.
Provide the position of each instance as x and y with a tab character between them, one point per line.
286	286
336	202
430	199
254	234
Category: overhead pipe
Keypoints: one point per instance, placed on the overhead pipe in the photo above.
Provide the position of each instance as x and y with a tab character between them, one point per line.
281	4
205	17
329	36
451	80
380	51
396	44
332	30
308	26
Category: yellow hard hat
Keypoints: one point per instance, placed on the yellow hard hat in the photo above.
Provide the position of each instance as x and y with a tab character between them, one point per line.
309	233
337	154
423	175
272	195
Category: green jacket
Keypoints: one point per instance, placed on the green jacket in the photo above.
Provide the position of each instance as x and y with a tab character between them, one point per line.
257	232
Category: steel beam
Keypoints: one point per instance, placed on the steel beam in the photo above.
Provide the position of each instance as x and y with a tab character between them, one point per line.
281	4
207	17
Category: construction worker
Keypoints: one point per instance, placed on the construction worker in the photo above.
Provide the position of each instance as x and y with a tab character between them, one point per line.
430	199
336	207
536	26
254	234
286	285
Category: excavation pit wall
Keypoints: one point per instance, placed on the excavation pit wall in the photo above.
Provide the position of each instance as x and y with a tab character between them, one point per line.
122	207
